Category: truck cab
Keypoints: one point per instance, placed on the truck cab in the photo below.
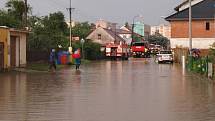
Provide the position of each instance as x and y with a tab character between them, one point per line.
140	49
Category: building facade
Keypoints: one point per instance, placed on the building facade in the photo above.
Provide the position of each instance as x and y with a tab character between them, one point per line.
164	30
12	48
142	29
103	36
203	25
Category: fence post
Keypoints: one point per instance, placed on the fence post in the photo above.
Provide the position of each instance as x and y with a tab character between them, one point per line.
183	62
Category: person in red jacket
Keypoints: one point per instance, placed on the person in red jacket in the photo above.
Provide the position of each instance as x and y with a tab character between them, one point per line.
77	57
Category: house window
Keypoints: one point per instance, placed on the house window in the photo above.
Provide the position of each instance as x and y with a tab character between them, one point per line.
124	36
99	36
207	25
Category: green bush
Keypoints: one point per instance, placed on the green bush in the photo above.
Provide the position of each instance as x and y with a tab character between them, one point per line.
91	50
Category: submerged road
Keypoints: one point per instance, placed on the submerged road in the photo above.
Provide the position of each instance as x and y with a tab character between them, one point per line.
108	91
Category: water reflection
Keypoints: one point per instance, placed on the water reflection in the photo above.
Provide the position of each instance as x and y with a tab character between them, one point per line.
108	91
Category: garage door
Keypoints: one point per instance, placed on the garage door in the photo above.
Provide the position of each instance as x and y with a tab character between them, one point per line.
1	56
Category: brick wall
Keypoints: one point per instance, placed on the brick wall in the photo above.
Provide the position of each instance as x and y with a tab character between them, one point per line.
180	29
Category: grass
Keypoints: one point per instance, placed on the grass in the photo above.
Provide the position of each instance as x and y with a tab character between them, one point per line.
42	66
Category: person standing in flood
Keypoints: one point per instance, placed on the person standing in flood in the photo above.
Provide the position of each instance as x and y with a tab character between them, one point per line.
77	57
52	59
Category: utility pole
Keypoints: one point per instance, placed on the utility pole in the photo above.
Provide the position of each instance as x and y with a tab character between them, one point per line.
70	25
26	13
190	27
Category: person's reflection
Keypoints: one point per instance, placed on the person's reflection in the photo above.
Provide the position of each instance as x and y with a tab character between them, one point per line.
77	77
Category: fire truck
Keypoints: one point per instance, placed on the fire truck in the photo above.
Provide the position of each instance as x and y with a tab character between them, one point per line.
115	51
140	49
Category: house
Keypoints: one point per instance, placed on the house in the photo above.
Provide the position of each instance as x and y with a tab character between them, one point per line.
105	24
103	36
12	48
125	34
203	24
141	31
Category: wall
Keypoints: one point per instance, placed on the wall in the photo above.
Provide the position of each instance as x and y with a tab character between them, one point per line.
4	37
201	38
201	43
180	29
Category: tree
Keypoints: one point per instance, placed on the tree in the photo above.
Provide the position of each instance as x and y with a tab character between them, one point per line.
159	39
9	21
48	32
16	8
14	15
91	50
82	29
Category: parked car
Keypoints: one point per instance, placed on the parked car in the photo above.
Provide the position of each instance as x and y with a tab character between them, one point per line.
164	56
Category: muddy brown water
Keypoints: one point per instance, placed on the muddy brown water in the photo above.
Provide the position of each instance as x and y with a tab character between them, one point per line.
108	91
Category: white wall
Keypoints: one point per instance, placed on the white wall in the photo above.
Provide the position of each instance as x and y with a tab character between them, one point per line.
200	43
23	42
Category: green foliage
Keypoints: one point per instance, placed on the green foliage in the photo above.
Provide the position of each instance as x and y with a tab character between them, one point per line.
16	8
159	39
91	49
14	15
212	53
81	29
9	21
48	32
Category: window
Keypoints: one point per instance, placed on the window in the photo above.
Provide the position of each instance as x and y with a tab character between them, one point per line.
124	36
138	44
207	26
99	36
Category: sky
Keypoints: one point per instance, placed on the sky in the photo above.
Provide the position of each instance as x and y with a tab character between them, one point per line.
117	11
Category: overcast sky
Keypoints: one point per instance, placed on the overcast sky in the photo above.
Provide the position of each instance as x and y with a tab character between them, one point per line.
119	11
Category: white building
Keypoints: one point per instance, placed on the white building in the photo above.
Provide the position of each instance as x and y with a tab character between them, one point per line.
164	30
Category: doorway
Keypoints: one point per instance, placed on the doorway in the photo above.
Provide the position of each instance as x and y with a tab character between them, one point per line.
13	51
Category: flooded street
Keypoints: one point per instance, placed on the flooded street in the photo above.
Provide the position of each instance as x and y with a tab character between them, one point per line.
107	91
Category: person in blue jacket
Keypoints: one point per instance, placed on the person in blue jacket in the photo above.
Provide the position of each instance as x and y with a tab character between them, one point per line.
52	59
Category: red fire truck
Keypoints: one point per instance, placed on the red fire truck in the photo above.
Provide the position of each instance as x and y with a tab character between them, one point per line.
140	49
115	51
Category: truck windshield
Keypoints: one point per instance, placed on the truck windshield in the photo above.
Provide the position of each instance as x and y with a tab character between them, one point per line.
138	44
165	52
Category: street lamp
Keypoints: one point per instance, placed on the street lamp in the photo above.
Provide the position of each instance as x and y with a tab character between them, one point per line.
70	26
82	43
132	35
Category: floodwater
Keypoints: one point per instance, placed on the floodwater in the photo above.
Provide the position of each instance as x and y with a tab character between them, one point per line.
108	91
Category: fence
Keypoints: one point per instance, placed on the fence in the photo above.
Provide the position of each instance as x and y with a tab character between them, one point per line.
199	65
179	52
34	56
